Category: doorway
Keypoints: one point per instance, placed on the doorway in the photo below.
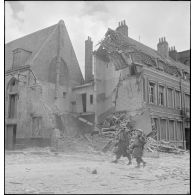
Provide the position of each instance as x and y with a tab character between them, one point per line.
84	99
12	106
188	138
11	137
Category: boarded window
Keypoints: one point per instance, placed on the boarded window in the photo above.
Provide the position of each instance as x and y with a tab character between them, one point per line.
179	132
161	96
36	126
163	129
171	129
177	99
170	102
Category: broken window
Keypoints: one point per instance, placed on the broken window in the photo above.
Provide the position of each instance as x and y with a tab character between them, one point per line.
161	96
151	92
91	99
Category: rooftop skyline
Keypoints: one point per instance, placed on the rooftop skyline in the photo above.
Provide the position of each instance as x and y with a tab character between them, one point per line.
147	21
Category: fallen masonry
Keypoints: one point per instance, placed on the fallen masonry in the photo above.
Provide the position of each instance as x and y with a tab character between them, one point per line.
115	122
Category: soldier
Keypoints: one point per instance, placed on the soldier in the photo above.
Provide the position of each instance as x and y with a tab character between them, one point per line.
138	147
122	146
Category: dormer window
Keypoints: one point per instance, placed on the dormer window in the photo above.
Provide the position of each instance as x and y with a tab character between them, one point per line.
20	56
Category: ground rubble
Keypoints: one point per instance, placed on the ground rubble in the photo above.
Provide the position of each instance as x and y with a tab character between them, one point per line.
116	121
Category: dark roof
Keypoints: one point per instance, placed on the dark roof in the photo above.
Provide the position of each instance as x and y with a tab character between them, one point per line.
40	41
153	53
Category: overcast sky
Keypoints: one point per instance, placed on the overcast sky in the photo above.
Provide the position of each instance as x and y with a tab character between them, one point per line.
147	20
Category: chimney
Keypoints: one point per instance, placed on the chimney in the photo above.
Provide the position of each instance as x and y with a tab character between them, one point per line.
122	28
88	59
163	47
173	53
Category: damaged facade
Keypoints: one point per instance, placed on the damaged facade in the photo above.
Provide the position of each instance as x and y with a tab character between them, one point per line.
133	78
42	76
45	89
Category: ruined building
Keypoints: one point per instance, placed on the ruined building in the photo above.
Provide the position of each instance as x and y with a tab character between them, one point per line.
145	83
44	87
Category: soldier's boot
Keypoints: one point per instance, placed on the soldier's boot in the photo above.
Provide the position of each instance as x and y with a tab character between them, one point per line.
138	162
144	164
129	163
115	161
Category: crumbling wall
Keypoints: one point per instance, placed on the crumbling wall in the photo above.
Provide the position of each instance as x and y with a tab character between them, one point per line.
129	95
117	90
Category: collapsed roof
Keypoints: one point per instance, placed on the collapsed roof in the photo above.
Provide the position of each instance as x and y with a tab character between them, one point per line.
121	50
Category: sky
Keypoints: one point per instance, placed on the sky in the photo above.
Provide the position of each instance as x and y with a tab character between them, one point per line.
147	21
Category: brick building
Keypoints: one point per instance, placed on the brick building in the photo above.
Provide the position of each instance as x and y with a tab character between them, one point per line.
135	78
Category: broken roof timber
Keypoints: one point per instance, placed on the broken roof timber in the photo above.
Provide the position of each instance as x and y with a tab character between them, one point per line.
115	43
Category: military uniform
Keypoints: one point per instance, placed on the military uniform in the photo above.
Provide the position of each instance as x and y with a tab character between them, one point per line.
138	147
122	146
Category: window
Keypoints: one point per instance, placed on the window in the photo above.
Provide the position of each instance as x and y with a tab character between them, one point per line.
91	99
171	129
187	101
151	92
170	97
179	132
177	99
161	96
163	129
12	106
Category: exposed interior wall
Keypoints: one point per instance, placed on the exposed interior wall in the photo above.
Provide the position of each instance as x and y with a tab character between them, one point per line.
116	90
77	96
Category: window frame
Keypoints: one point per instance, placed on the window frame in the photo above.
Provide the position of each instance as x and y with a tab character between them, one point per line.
172	89
159	97
154	92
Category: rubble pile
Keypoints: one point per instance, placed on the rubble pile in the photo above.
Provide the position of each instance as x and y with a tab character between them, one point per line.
161	146
116	121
